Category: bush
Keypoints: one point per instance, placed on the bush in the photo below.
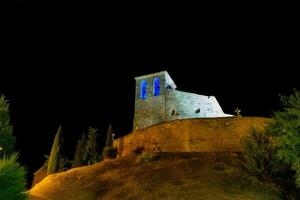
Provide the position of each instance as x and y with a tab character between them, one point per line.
146	157
12	179
139	150
64	164
285	129
109	152
259	153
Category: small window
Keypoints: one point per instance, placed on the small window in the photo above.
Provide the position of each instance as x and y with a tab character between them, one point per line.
143	90
156	86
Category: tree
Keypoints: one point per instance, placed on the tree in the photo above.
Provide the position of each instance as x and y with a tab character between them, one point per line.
286	131
12	179
109	151
80	149
7	140
90	154
109	140
55	155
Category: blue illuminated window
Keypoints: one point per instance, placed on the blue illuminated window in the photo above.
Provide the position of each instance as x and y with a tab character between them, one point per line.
156	86
143	92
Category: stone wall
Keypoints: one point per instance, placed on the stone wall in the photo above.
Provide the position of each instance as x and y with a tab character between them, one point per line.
188	105
39	175
152	109
149	111
191	135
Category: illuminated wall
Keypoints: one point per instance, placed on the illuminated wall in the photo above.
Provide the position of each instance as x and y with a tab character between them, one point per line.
185	105
191	135
152	107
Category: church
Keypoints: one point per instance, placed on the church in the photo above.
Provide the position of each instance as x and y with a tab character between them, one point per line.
157	100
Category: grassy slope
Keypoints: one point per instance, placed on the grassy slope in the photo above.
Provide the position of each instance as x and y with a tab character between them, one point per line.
169	176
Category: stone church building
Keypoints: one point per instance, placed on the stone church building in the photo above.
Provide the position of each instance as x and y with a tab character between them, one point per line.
157	100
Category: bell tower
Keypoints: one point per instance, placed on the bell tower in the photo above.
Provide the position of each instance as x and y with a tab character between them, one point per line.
150	99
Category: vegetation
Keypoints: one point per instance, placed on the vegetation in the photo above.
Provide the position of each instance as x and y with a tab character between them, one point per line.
12	179
145	157
55	155
12	174
7	140
64	164
259	153
272	154
285	130
139	150
80	148
90	153
86	151
109	151
109	140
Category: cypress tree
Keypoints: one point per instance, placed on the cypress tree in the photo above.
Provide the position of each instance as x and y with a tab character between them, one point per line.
7	140
109	151
109	142
90	154
80	148
55	155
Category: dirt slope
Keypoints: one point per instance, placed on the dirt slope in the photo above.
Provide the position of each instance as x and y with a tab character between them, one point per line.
167	176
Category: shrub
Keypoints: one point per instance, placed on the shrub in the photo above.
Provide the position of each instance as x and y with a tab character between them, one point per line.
139	150
259	154
12	179
64	164
146	157
109	152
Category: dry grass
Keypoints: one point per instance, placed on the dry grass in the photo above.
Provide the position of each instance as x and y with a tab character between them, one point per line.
167	176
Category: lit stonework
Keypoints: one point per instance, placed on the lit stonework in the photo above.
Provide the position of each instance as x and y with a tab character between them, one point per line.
157	100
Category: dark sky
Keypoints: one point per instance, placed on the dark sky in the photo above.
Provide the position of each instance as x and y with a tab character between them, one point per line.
74	65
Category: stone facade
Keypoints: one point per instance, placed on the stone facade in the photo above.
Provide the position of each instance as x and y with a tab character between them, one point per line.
170	104
150	110
184	105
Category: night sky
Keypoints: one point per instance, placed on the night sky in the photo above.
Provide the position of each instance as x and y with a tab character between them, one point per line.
74	65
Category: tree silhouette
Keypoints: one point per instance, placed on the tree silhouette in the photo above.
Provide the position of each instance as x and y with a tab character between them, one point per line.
55	155
7	140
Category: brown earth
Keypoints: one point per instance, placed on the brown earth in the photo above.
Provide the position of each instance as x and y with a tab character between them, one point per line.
163	176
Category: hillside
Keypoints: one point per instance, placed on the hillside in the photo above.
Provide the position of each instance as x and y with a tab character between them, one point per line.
164	176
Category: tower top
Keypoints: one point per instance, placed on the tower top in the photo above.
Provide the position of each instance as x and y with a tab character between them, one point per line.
168	80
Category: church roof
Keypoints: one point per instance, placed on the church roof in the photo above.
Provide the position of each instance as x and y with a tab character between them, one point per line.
169	81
